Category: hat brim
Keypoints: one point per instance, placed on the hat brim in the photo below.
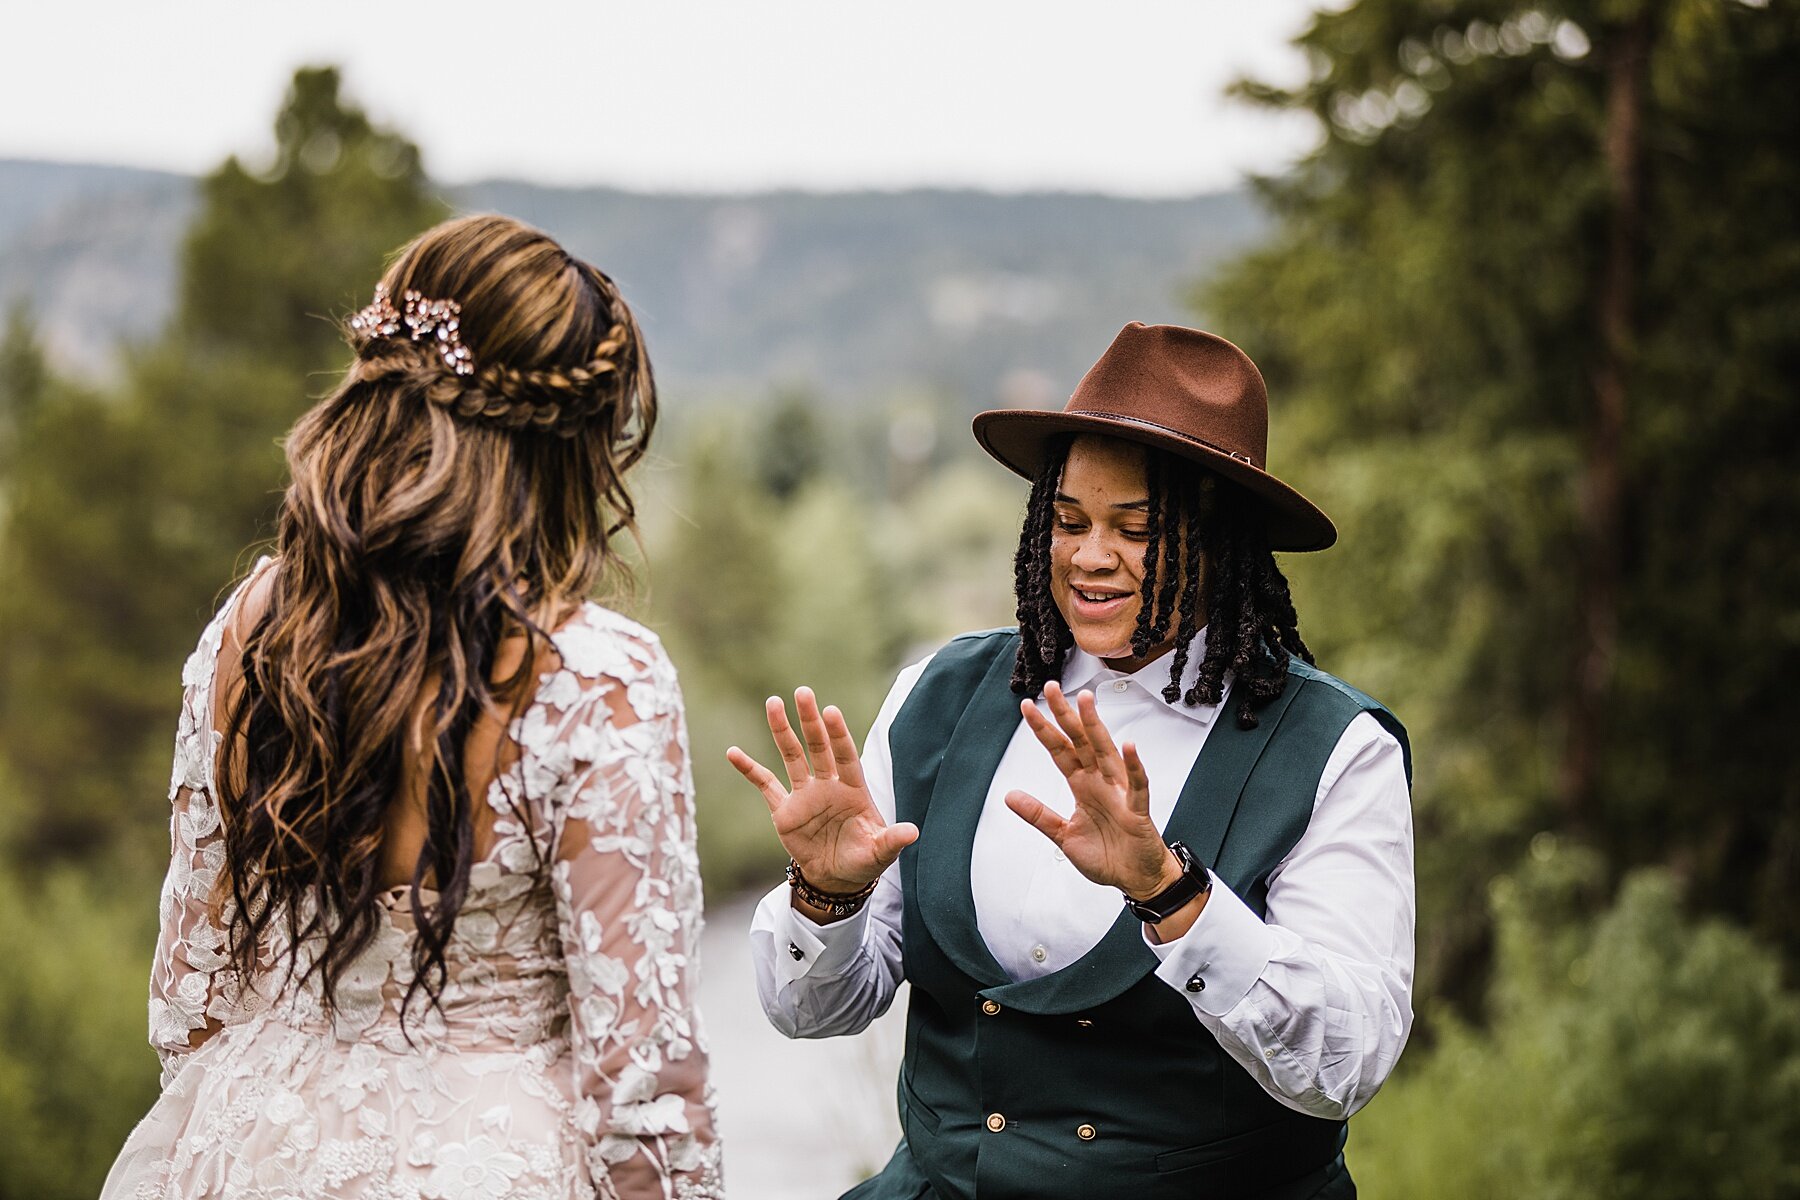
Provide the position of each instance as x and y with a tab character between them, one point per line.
1016	439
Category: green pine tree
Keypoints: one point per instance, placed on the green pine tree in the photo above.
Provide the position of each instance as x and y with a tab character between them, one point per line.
129	512
1530	319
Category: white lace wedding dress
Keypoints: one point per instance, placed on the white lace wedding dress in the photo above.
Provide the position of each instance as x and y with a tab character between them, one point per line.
567	1060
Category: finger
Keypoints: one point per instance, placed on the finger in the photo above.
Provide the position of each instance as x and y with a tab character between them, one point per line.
1038	814
1137	780
1052	739
812	729
1070	722
787	742
1106	755
892	840
843	748
760	777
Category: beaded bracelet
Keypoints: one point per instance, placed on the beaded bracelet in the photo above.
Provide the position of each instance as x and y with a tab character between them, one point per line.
838	904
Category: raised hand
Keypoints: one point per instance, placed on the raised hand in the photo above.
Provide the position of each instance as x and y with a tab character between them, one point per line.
825	816
1110	837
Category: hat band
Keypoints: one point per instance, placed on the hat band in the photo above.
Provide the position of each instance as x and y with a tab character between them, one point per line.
1160	428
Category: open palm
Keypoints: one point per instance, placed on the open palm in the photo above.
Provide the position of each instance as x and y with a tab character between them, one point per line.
825	816
1110	837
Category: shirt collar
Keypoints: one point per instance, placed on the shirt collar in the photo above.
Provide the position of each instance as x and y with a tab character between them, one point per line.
1082	670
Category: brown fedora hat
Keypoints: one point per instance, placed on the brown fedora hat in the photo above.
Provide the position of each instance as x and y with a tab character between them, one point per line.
1183	390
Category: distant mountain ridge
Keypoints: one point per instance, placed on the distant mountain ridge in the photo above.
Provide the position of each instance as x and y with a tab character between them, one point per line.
991	298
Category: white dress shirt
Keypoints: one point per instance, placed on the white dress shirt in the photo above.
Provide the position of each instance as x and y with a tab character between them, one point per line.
1315	1001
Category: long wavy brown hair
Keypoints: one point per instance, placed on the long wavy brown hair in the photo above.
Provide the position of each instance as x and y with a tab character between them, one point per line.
430	514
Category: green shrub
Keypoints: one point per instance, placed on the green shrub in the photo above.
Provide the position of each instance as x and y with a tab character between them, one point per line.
1640	1054
75	1071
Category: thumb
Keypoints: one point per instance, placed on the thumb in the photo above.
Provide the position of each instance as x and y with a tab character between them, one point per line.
1039	814
895	838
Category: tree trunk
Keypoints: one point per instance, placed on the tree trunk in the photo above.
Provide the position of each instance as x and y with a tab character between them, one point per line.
1625	50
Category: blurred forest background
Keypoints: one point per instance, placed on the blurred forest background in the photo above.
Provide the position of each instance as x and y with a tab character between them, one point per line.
1530	319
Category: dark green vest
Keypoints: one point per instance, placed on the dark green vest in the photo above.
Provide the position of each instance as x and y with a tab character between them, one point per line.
1102	1043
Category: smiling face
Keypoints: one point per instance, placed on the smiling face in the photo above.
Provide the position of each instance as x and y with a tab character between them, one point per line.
1097	542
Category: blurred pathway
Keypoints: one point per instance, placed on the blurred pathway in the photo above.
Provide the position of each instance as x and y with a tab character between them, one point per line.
801	1120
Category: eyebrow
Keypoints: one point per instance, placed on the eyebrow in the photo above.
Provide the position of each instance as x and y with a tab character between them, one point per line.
1130	505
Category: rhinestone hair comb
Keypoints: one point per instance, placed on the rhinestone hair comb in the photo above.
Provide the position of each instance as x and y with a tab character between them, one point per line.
439	320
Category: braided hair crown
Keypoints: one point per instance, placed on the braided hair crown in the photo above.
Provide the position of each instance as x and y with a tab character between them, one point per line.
504	327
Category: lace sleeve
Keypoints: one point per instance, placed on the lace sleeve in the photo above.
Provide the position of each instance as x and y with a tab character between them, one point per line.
627	884
192	995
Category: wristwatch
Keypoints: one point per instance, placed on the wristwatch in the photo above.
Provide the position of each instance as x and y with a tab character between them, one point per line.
1194	881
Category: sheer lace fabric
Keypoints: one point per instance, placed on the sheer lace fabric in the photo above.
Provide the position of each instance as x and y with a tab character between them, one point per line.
567	1059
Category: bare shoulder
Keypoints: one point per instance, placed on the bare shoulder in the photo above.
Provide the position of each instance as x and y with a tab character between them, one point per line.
254	598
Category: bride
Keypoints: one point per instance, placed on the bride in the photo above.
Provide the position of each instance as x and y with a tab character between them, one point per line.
432	910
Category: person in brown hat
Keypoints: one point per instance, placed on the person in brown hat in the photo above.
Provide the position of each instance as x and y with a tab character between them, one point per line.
1147	869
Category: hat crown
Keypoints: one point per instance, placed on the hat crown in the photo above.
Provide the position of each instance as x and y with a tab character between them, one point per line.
1187	382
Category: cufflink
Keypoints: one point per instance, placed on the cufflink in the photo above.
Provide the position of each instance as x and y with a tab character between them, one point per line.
798	954
1195	983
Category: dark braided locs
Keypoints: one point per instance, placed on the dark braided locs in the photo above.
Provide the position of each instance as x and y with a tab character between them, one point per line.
1207	554
1149	607
1044	636
1191	507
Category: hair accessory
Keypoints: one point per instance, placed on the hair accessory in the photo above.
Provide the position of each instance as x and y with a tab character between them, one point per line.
424	318
380	319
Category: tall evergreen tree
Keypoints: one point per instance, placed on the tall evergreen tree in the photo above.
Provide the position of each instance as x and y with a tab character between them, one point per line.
129	511
24	380
1531	318
273	255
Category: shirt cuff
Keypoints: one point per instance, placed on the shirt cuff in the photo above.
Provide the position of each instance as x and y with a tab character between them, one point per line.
1217	961
803	947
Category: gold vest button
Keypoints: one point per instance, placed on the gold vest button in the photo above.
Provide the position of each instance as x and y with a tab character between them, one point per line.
1085	1132
995	1122
989	1007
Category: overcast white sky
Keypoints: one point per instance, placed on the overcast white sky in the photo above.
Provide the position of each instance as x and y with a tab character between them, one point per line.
709	95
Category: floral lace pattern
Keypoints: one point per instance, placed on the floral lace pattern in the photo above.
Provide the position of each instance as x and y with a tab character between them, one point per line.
567	1059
